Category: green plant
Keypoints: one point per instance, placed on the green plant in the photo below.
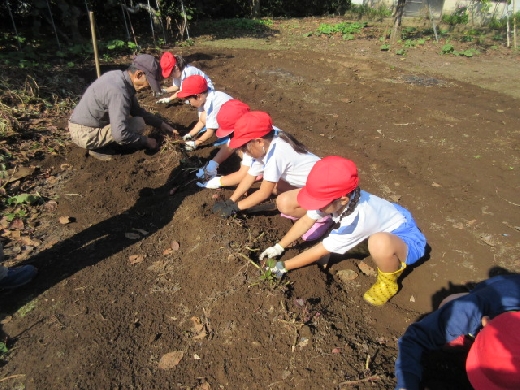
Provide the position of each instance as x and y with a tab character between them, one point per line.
379	13
16	214
345	29
459	16
27	308
267	275
187	43
385	47
400	52
24	199
447	48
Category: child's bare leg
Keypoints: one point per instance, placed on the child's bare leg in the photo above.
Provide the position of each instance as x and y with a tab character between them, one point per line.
387	251
287	203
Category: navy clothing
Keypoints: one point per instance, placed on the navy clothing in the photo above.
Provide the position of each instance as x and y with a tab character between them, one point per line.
111	99
461	316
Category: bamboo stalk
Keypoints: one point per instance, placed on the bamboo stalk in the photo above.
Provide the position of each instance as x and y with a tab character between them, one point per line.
53	25
94	42
14	25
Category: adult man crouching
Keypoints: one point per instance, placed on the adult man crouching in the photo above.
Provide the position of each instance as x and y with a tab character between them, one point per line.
109	112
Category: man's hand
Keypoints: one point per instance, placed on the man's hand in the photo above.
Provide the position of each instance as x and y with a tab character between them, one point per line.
208	171
151	143
212	184
166	127
225	209
272	252
165	100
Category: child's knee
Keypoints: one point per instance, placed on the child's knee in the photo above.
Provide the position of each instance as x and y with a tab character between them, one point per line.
282	203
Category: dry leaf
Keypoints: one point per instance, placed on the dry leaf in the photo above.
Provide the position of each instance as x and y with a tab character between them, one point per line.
412	299
198	326
135	259
171	359
17	224
143	232
366	269
203	386
132	236
347	275
64	167
435	184
21	172
50	206
65	219
167	251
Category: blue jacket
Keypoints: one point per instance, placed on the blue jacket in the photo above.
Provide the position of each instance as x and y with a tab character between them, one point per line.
461	316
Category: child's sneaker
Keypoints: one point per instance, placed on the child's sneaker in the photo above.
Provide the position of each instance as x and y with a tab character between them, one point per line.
319	228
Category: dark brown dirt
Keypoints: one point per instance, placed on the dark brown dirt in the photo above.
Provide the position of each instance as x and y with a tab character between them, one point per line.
445	149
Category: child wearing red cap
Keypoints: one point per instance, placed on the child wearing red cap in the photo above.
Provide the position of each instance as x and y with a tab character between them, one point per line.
177	67
394	240
284	162
490	314
227	116
195	89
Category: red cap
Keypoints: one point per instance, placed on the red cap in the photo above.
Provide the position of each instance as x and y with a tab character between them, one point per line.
192	85
329	179
229	113
493	361
168	62
251	125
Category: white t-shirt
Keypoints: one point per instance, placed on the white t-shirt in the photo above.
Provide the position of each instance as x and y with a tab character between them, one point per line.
371	215
214	101
283	162
190	70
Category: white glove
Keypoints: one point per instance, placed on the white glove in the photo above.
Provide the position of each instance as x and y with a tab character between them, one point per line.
272	252
163	101
278	270
208	171
190	145
187	137
212	184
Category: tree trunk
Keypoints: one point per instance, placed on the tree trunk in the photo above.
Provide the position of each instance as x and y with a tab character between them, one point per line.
398	15
255	8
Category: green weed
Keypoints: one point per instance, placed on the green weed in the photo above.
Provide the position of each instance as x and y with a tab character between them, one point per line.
346	29
460	16
27	308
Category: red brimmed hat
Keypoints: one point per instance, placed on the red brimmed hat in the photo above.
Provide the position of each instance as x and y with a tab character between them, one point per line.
251	125
329	179
230	112
167	62
149	65
493	361
192	85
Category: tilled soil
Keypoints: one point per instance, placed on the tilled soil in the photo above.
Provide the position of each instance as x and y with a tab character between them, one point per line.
108	305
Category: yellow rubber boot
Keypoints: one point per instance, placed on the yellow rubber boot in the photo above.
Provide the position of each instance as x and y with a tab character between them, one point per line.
384	288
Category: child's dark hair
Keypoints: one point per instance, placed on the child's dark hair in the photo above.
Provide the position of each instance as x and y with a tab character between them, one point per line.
354	200
295	144
181	62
